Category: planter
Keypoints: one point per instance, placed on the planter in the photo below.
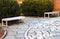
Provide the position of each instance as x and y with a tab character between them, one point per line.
2	33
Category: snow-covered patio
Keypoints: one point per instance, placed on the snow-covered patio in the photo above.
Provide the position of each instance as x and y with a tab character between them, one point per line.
35	28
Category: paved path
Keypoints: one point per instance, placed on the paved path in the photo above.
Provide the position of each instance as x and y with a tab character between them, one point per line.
17	31
12	30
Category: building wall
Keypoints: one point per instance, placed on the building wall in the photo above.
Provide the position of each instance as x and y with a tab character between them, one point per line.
57	5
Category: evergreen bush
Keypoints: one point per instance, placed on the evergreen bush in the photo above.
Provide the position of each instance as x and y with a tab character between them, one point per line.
9	8
36	7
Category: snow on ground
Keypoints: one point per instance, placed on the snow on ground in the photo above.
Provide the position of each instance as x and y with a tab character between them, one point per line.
35	28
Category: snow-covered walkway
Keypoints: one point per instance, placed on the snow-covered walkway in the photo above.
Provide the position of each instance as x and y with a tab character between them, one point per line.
35	28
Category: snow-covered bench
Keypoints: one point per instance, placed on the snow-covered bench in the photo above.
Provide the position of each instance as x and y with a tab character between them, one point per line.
11	19
48	13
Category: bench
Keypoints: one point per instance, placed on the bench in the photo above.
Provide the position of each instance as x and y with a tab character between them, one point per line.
48	13
11	19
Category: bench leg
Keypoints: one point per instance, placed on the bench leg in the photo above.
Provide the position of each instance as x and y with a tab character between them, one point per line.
6	23
48	15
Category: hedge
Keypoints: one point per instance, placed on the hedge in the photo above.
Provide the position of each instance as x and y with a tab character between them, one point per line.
36	7
9	8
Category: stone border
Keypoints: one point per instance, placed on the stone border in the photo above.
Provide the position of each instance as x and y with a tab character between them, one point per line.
5	33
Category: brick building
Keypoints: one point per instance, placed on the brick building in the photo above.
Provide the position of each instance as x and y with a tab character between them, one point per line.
57	5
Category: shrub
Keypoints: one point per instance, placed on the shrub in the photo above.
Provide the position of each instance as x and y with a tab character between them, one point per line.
9	8
0	27
36	7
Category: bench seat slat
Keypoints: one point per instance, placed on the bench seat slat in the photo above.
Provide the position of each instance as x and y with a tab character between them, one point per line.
13	18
